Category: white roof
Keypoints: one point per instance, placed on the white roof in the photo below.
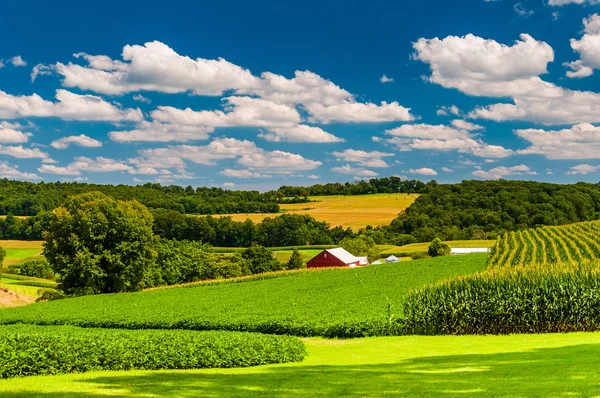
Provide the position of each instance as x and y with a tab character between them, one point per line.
363	260
343	255
466	250
377	262
392	257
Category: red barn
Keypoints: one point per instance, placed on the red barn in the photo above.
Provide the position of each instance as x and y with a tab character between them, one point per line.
333	258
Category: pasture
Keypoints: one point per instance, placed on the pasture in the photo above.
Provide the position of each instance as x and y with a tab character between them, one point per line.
356	211
548	365
334	302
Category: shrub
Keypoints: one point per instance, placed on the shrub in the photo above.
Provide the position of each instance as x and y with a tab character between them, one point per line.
27	350
260	259
418	256
295	261
438	248
50	295
37	268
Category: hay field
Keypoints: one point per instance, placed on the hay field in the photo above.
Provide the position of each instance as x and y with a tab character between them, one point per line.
355	212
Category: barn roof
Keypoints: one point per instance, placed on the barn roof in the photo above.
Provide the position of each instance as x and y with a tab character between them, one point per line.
342	255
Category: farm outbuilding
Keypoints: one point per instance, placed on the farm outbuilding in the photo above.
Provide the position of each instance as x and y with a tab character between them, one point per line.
377	262
363	260
392	259
466	250
330	258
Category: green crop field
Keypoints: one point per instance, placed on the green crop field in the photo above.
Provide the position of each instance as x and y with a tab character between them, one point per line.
548	245
548	365
336	302
355	211
422	247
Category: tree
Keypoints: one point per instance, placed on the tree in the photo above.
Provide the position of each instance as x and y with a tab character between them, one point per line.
100	245
2	256
438	248
260	259
295	261
361	246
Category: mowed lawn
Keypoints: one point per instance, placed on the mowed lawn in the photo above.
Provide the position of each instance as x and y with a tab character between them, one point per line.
544	365
355	212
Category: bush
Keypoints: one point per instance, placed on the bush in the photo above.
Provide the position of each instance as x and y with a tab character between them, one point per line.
295	261
27	350
418	256
260	259
36	268
512	300
438	248
50	295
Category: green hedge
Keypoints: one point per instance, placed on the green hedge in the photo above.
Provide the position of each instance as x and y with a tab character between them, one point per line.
522	300
27	350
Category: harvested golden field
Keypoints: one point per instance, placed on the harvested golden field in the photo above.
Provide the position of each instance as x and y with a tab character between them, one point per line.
22	244
348	211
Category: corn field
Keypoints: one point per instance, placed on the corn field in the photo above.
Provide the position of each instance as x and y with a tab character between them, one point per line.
547	245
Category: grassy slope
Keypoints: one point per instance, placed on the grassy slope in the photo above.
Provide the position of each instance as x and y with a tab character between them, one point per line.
348	211
304	302
550	365
422	247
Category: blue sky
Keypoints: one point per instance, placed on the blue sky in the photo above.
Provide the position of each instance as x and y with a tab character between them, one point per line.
261	94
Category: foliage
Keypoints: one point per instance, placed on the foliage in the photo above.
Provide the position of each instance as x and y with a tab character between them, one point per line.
27	350
260	260
360	246
2	256
538	299
46	284
486	209
374	185
100	245
295	261
36	268
50	295
334	303
438	248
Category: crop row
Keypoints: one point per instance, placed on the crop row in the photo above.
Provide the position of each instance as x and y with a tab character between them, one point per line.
547	245
27	350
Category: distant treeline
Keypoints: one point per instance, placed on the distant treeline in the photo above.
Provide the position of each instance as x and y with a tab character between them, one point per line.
22	198
485	209
374	185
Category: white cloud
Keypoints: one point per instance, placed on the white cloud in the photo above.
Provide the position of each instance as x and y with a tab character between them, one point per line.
522	11
385	79
10	134
581	141
81	163
564	2
18	151
313	177
588	48
356	172
447	170
81	140
299	133
162	132
141	98
228	185
464	125
12	171
70	106
18	61
363	158
503	171
426	171
355	112
583	169
443	138
243	174
449	110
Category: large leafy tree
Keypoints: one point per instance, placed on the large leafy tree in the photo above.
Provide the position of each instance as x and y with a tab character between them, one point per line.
100	245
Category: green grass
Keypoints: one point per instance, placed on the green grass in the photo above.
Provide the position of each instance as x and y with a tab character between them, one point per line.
284	255
20	253
550	365
335	302
422	247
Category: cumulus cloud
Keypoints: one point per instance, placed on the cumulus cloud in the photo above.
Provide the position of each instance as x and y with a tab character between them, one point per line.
588	49
503	171
581	141
19	151
243	174
363	158
385	79
81	140
582	169
356	172
11	171
155	131
81	163
141	98
69	106
449	110
299	133
348	112
17	61
425	171
443	138
228	185
464	125
11	134
447	170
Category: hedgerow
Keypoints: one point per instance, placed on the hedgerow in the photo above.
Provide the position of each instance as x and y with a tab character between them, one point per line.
27	350
533	299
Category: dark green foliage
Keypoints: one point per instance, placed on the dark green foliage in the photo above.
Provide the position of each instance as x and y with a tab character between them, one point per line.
486	209
27	350
438	248
37	268
50	295
374	185
260	260
360	246
100	245
295	261
510	300
334	303
2	256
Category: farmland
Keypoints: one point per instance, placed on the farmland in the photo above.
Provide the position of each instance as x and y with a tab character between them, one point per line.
450	366
355	212
336	302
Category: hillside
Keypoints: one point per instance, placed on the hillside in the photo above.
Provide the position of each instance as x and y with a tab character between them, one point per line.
354	211
336	302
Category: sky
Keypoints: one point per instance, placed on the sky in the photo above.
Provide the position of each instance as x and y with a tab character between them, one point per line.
255	95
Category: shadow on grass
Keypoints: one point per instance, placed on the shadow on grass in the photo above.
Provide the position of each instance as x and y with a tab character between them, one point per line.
573	371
